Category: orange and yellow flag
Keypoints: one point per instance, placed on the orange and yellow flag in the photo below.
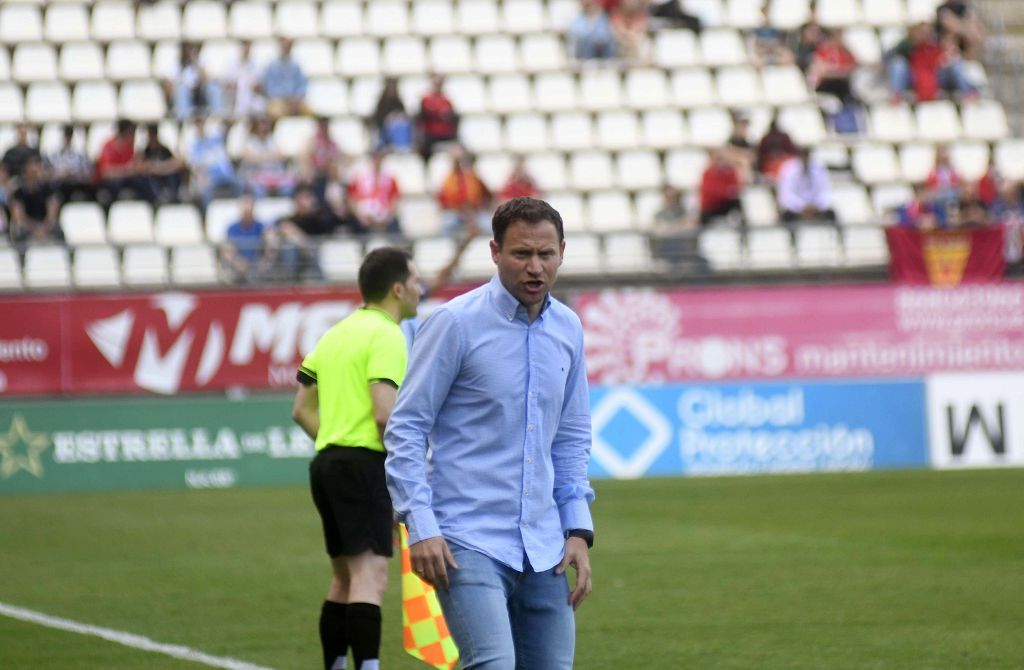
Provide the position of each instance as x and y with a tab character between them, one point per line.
424	632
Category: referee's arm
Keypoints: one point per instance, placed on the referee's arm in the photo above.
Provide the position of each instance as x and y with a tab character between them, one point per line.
306	410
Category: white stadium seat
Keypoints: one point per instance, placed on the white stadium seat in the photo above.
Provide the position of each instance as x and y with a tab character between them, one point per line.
128	59
523	16
251	20
770	249
66	23
112	20
555	91
617	130
144	265
340	259
204	20
875	163
647	89
526	133
176	225
81	60
916	161
722	248
865	245
159	21
193	264
34	61
47	267
47	102
341	18
663	128
10	269
130	222
433	17
96	267
938	121
296	19
571	130
94	101
541	53
818	247
985	120
83	223
386	17
20	23
638	169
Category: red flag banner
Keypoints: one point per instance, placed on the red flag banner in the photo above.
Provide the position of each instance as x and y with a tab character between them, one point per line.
946	258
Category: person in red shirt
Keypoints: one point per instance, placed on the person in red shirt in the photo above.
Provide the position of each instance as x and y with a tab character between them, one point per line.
944	185
520	184
437	121
719	189
464	198
923	62
117	169
831	68
373	197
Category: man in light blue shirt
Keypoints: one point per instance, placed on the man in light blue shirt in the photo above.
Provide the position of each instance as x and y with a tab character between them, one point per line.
284	84
497	389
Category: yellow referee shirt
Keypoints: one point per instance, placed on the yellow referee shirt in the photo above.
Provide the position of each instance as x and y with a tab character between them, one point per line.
362	348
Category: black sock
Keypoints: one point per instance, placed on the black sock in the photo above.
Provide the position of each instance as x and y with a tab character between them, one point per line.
333	632
363	628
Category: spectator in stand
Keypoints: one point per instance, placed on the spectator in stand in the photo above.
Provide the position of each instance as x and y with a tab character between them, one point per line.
284	84
373	198
629	25
1008	212
34	207
194	92
590	33
809	38
249	247
675	236
719	189
519	184
919	212
672	12
390	123
831	68
989	188
767	44
920	62
18	154
464	198
958	19
212	170
970	214
243	83
775	148
162	168
264	167
71	170
804	190
118	169
739	148
437	121
302	232
321	157
944	186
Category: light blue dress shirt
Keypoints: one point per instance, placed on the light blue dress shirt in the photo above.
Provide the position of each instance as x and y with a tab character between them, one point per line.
503	405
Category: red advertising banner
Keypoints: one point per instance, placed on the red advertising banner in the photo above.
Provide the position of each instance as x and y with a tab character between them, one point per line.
164	343
770	333
946	257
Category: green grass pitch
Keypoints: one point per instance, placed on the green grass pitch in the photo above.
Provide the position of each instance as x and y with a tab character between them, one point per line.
902	570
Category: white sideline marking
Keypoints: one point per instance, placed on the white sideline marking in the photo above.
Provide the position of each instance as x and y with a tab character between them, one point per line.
127	639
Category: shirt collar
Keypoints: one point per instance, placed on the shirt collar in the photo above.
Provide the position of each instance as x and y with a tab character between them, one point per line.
507	303
378	310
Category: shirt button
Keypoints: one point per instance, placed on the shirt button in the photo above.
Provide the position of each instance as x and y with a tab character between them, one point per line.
529	461
526	494
530	427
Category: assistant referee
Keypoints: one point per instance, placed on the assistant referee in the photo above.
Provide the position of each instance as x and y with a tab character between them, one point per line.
347	388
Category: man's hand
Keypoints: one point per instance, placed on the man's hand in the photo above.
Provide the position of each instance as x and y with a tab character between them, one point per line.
431	559
578	556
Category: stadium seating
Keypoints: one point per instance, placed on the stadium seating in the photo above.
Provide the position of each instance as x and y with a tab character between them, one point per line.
600	141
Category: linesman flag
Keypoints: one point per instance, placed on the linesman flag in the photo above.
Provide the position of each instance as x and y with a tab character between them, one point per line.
424	631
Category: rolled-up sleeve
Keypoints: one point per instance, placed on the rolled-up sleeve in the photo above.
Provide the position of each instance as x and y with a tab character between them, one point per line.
570	450
435	361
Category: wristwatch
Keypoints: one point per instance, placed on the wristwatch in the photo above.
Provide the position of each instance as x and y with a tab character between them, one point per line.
582	533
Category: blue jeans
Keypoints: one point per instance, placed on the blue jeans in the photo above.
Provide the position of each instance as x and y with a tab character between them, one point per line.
951	77
502	619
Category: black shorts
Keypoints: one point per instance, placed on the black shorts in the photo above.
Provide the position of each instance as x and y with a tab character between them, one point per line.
352	497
